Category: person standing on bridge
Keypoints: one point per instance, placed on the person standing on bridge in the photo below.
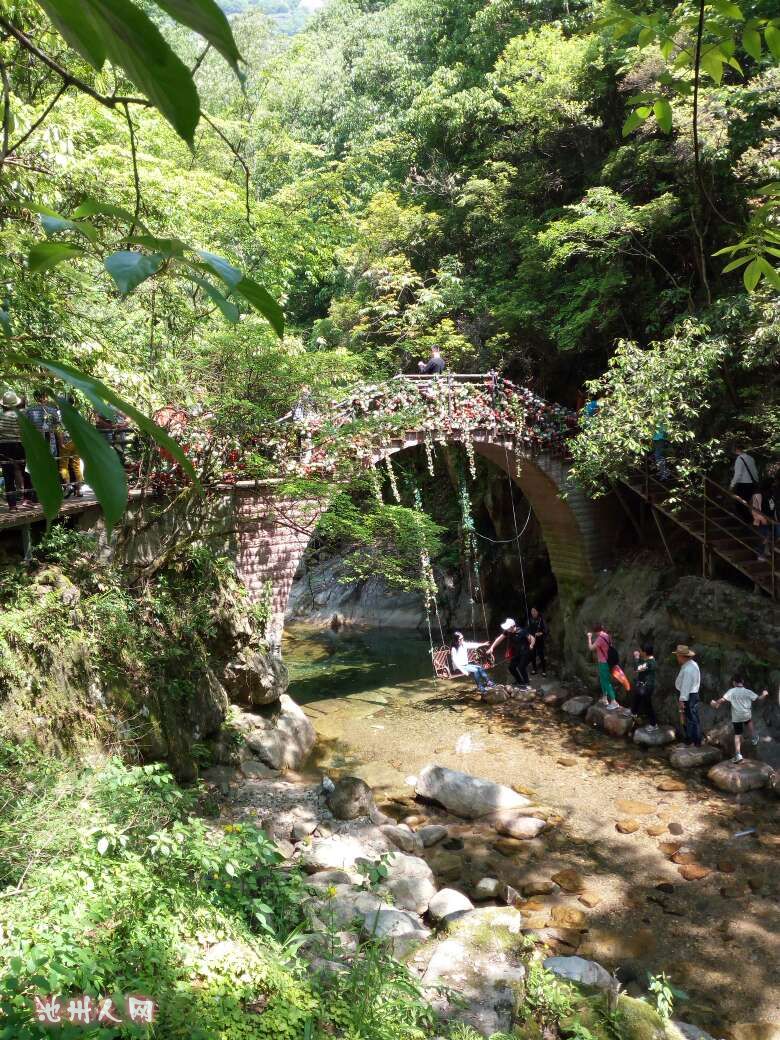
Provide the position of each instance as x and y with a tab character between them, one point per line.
11	450
435	366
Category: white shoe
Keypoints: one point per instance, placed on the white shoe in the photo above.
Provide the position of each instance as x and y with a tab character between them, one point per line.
754	741
613	706
737	758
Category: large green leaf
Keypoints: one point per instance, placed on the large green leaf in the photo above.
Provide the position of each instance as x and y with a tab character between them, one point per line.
208	20
752	275
102	469
751	41
54	223
129	269
45	255
230	275
166	246
100	395
90	207
263	301
227	306
42	466
663	114
711	62
134	43
772	37
71	19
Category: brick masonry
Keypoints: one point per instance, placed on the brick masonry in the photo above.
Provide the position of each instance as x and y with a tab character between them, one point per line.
273	532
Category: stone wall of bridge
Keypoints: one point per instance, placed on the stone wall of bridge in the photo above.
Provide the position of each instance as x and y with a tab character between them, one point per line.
273	533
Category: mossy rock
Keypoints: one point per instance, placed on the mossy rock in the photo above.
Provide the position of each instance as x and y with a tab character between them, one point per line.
640	1021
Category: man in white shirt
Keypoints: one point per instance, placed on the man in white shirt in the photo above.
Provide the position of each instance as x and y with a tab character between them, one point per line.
744	479
687	684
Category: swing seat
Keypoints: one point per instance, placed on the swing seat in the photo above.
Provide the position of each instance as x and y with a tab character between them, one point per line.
442	662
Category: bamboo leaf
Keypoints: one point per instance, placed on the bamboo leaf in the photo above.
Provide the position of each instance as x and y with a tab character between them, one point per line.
42	466
102	469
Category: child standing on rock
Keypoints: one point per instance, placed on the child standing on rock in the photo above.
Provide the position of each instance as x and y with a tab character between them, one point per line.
741	700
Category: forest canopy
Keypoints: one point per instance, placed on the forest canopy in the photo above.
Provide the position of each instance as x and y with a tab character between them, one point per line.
564	191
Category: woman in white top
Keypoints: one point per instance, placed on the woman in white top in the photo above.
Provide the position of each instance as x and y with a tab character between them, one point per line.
460	662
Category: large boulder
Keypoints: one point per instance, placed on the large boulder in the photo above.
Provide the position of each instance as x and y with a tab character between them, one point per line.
515	824
254	678
337	852
448	904
577	706
578	969
617	722
410	893
350	798
402	929
475	975
402	837
657	736
286	741
694	757
735	777
467	796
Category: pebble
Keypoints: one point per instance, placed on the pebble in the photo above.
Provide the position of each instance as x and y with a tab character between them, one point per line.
676	828
569	917
569	880
635	808
589	899
670	784
627	826
655	829
694	872
538	888
684	856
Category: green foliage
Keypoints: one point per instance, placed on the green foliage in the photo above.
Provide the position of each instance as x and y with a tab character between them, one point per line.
661	990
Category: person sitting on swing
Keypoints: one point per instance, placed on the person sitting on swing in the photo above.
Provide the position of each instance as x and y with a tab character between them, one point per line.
460	661
521	643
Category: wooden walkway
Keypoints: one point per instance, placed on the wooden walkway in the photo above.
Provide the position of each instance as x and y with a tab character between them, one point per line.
715	518
31	513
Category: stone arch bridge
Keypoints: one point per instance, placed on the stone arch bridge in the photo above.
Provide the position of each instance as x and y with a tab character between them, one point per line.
517	431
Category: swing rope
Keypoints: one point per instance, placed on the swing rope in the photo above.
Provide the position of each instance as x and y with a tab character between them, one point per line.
517	533
472	560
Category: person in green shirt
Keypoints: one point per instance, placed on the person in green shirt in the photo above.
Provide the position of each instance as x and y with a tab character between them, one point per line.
644	685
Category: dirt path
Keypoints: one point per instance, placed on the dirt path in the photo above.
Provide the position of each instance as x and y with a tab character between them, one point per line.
717	937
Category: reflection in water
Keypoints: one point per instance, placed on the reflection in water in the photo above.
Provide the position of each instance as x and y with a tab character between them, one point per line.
324	664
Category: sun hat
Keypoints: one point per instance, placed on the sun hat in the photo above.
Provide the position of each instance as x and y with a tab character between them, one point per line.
11	399
683	651
509	623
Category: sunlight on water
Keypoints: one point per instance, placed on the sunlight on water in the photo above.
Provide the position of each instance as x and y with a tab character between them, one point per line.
325	664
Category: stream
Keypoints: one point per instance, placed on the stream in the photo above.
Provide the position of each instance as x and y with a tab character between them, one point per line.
620	818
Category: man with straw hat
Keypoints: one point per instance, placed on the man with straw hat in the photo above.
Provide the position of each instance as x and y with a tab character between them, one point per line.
687	683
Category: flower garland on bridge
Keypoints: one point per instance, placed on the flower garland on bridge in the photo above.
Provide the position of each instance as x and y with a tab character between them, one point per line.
440	410
369	424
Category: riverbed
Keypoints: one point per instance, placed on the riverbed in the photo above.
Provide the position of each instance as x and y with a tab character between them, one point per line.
381	715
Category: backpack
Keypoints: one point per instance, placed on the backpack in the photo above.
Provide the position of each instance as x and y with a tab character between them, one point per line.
613	658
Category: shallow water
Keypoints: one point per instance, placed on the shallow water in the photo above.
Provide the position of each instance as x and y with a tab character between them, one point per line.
324	664
381	715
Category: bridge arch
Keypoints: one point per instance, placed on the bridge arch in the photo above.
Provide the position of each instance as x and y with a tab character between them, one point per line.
273	534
